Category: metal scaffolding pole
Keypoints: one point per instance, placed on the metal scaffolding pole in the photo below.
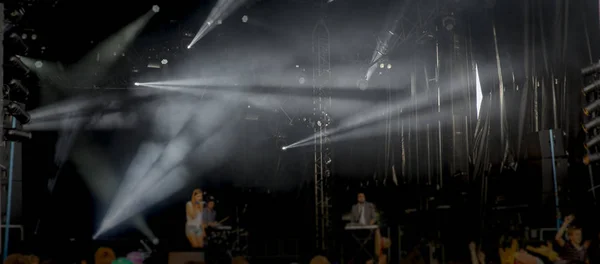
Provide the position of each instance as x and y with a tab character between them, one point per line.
322	148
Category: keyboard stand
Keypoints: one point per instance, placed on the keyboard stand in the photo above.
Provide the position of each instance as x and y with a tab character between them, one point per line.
362	237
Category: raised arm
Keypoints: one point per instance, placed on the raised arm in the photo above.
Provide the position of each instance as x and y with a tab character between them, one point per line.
473	253
561	232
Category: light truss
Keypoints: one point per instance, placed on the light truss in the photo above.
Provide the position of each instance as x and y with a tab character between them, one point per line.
417	20
322	146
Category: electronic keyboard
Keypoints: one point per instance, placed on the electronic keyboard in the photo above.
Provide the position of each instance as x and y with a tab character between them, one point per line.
360	227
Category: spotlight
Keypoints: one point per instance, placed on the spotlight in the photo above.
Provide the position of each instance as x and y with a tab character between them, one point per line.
18	112
302	80
449	23
137	84
155	241
164	61
34	37
591	124
362	84
189	46
283	148
245	19
389	66
382	65
24	36
11	134
591	158
591	107
17	39
155	8
590	69
592	142
17	85
18	62
593	86
39	64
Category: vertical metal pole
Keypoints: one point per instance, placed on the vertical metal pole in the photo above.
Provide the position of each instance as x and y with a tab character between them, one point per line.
400	244
413	94
587	38
2	142
427	132
555	180
554	108
439	109
500	86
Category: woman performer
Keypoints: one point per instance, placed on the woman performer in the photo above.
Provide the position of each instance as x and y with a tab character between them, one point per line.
193	227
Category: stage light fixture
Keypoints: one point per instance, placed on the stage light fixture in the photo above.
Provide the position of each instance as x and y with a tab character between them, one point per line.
155	8
16	38
591	124
16	85
245	19
34	37
592	142
591	158
590	69
449	23
591	107
12	134
382	65
164	61
284	148
389	66
18	112
24	36
302	80
39	64
137	84
18	62
362	84
591	87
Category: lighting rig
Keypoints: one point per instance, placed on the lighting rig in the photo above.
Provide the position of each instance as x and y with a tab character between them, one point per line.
14	77
591	78
17	76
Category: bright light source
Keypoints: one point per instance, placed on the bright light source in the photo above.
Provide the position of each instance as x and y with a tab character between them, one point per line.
362	84
189	46
283	148
155	241
164	61
382	65
245	19
302	80
137	84
219	22
34	36
39	64
24	36
389	66
297	66
155	8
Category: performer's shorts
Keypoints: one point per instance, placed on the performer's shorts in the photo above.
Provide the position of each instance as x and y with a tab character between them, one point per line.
193	230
